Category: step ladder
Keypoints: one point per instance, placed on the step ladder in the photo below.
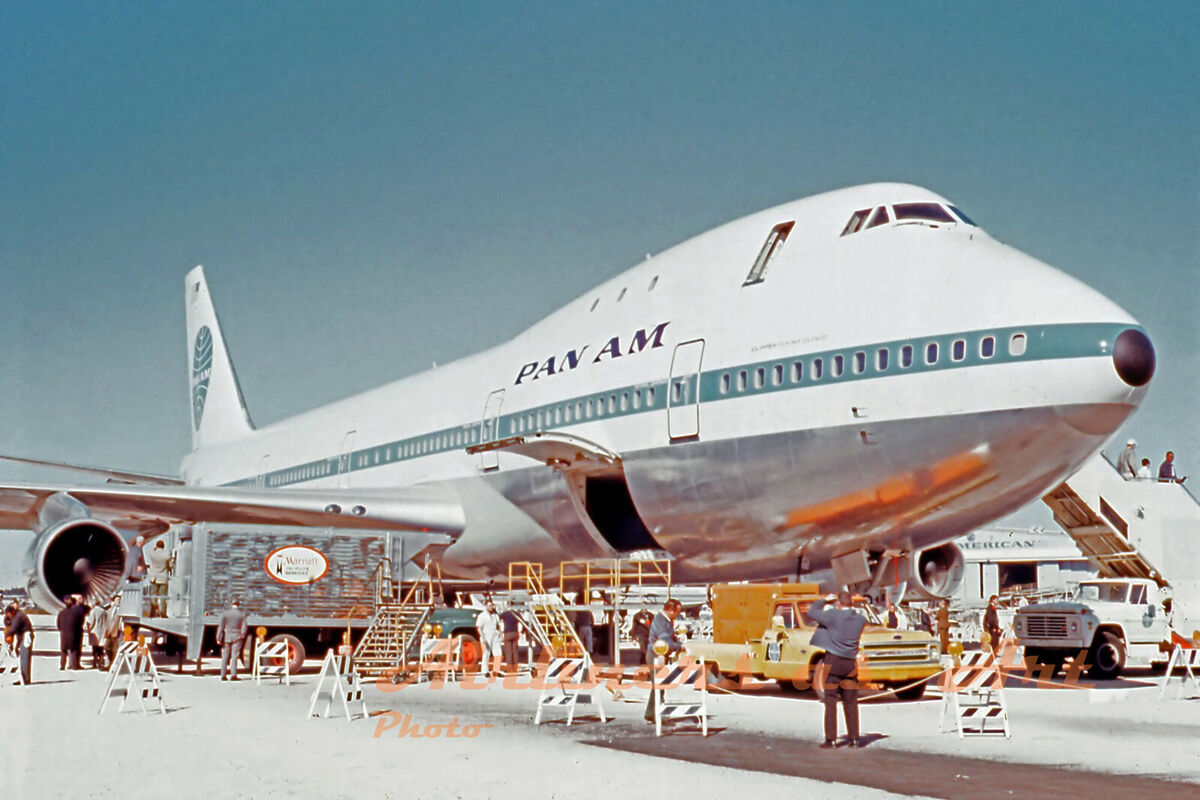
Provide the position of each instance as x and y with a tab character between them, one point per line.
543	613
394	637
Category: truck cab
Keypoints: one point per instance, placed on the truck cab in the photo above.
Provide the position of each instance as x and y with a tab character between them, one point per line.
1118	622
761	630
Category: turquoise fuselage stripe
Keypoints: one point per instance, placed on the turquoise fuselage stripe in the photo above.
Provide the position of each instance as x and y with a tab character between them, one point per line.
780	374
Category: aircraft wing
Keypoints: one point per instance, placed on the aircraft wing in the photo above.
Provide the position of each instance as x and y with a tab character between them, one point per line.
151	508
120	476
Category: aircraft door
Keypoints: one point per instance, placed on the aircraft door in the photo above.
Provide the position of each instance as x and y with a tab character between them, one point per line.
264	466
683	391
344	459
489	430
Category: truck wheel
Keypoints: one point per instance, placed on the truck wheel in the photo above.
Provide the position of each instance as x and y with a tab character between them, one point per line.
1107	656
472	653
296	652
1047	658
912	693
816	674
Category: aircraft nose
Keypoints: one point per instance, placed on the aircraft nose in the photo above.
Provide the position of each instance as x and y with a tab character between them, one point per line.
1133	357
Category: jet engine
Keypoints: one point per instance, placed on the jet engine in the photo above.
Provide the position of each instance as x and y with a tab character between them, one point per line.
76	556
934	573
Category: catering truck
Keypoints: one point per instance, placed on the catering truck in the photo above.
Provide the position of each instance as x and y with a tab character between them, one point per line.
760	630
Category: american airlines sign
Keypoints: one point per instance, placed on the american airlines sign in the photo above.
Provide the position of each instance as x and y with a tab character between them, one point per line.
639	341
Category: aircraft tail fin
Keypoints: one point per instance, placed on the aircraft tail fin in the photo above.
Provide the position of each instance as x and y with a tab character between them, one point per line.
218	410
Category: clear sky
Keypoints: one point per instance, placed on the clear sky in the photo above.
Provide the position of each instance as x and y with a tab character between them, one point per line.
376	186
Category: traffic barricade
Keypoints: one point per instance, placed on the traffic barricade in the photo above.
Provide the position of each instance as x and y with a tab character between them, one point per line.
687	672
133	673
440	657
566	684
973	697
338	680
1187	659
271	661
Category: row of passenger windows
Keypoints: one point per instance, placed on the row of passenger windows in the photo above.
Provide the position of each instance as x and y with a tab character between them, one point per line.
579	410
305	473
837	365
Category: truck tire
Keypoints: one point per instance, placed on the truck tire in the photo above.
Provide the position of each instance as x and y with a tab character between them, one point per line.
1107	656
912	693
1047	658
296	652
815	677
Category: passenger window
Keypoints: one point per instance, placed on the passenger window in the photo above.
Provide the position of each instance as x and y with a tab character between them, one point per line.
860	362
595	303
788	612
839	365
771	246
906	356
1139	595
650	397
880	217
1016	345
959	351
987	346
621	296
741	385
624	401
653	283
587	408
760	377
797	371
612	402
777	375
856	222
637	399
931	353
816	368
578	410
881	359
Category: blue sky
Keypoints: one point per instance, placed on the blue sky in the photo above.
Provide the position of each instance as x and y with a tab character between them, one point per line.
373	187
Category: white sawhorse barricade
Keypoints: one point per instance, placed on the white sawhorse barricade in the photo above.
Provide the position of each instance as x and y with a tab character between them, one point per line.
10	667
973	693
134	668
558	690
687	672
340	680
440	656
271	661
1187	659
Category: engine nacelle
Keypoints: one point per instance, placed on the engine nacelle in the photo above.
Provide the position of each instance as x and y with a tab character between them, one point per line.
934	573
76	556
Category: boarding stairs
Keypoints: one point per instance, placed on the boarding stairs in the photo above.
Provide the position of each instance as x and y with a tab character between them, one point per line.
394	637
543	613
1129	528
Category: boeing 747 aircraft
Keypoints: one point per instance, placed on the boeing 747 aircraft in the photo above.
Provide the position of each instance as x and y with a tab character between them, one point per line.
846	382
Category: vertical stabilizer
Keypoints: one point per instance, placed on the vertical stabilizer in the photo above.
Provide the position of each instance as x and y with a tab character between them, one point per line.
218	411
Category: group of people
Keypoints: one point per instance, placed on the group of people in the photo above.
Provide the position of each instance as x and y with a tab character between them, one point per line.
499	634
1130	469
101	624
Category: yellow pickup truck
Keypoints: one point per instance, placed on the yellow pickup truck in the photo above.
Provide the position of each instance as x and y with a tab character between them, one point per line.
760	630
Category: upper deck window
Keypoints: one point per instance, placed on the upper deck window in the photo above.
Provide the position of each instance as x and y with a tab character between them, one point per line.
856	221
927	212
771	246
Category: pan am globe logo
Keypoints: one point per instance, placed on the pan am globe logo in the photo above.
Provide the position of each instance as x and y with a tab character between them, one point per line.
202	353
296	564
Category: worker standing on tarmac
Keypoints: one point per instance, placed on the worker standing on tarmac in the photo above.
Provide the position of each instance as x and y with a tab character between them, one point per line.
662	629
488	624
839	633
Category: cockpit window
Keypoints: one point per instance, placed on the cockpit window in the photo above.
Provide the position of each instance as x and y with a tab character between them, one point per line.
880	217
856	222
962	216
928	212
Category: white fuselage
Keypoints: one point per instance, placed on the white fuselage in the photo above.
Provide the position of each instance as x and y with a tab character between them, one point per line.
772	459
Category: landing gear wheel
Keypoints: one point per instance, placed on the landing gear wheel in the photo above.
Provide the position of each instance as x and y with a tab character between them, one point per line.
296	652
1107	656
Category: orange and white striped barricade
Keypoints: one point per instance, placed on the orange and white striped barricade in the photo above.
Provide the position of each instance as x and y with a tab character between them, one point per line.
565	685
687	672
133	673
1187	659
973	695
340	681
10	667
271	661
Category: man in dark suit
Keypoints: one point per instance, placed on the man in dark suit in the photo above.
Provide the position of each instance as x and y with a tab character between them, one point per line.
21	630
838	635
70	632
231	635
991	624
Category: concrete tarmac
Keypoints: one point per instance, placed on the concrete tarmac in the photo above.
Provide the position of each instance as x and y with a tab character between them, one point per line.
242	740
